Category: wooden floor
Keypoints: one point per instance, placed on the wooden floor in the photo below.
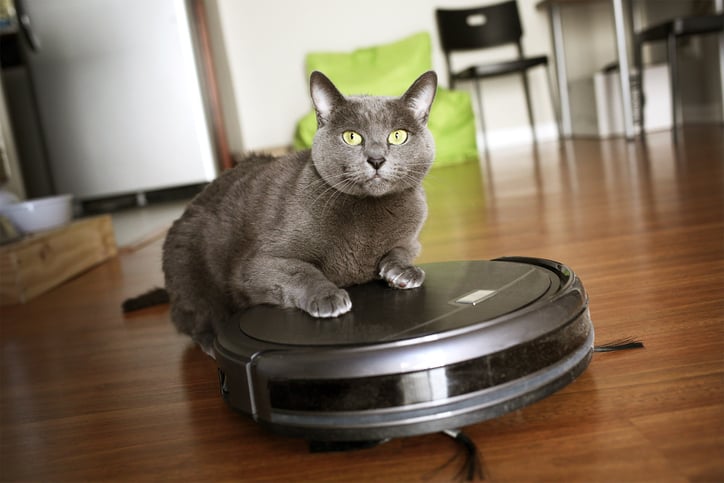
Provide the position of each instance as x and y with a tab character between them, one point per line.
87	394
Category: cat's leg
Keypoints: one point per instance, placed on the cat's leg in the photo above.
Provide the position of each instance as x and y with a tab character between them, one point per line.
290	283
195	317
397	270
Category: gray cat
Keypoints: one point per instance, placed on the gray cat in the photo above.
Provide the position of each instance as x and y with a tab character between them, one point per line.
293	231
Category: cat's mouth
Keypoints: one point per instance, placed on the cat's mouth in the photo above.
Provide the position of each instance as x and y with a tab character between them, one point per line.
377	184
368	182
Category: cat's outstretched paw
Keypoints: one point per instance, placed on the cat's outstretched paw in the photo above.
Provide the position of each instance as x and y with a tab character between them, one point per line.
399	276
329	305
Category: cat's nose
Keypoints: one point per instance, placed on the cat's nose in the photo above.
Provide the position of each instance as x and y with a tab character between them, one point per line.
376	162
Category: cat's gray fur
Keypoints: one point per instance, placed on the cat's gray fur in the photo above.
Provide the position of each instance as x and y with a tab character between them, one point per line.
293	231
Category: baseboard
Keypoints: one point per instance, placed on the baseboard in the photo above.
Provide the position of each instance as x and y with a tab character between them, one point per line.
517	136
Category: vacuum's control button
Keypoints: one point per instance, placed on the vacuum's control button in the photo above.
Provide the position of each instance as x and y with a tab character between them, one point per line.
474	297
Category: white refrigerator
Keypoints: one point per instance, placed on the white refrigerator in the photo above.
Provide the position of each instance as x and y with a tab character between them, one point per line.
118	94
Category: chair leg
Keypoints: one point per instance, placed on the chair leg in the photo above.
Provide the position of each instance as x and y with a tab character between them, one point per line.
450	77
674	84
526	88
479	95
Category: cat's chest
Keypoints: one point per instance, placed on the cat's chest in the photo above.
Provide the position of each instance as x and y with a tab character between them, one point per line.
370	225
351	246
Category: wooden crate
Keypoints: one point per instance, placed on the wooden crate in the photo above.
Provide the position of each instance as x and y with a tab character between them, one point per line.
39	262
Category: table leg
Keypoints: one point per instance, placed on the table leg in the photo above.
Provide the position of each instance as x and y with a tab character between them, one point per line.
719	8
559	54
721	72
623	64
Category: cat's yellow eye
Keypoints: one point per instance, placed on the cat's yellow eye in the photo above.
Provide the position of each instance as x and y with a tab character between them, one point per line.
352	138
397	137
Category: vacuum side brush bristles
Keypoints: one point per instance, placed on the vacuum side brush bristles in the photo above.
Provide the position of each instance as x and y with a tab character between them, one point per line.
619	345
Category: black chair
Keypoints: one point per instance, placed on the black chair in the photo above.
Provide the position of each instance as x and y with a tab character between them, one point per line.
671	31
482	28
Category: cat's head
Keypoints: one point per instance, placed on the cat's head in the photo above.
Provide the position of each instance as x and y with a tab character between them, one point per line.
372	146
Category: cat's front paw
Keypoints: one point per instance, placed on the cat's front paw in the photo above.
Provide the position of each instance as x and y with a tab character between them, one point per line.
399	276
331	304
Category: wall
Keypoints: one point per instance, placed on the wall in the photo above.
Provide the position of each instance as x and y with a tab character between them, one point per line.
261	48
265	45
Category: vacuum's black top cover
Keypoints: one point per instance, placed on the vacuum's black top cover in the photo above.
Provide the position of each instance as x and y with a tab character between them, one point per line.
454	297
478	339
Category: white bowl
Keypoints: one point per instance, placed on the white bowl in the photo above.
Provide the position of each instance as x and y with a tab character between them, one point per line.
40	213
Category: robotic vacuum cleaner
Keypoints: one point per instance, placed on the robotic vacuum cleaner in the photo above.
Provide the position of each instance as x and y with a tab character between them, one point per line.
477	340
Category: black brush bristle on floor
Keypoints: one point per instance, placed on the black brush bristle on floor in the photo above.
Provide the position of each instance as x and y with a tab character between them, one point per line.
619	345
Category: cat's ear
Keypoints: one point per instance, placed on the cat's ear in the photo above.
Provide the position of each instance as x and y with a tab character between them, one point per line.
420	95
325	96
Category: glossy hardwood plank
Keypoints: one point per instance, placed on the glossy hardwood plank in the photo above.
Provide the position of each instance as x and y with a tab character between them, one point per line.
86	394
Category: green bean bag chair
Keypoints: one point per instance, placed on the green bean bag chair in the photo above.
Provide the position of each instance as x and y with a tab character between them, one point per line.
388	70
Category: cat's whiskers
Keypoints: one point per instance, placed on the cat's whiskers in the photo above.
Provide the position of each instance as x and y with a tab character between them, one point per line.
410	175
327	197
354	178
325	184
337	189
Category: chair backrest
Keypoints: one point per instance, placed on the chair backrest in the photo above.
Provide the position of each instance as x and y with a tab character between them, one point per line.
482	27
